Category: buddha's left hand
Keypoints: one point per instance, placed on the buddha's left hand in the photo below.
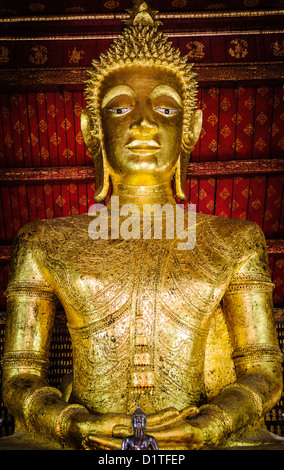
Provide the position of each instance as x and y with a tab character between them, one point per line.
195	433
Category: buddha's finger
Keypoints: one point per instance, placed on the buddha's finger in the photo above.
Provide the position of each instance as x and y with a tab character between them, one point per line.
101	442
169	444
188	412
121	431
163	416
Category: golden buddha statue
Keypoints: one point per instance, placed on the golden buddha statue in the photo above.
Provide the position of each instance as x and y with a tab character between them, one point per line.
189	331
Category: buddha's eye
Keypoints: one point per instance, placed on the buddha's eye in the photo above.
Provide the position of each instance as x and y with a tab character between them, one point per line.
119	111
166	111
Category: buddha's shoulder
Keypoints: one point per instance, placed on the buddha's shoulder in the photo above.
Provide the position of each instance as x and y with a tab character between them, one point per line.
234	233
227	226
52	229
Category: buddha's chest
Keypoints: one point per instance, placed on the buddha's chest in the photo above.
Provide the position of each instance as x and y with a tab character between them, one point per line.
146	278
139	313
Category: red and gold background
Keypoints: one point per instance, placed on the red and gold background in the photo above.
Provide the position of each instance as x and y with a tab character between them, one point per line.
236	169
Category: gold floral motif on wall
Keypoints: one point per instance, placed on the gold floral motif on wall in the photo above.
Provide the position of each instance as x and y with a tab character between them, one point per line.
36	7
195	50
75	10
75	56
4	55
179	3
251	3
277	48
38	55
111	4
238	49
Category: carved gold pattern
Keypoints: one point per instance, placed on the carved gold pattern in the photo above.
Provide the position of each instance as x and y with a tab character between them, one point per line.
277	48
247	391
195	50
34	395
38	55
22	359
4	55
75	56
239	48
63	421
217	413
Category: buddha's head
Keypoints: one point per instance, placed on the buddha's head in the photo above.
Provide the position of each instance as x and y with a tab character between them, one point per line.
139	420
141	124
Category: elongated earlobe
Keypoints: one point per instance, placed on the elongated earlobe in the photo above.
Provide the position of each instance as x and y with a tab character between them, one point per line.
180	175
95	147
188	142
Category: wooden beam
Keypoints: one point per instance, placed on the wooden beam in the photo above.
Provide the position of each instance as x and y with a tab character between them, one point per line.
236	168
275	247
75	77
44	175
177	16
262	21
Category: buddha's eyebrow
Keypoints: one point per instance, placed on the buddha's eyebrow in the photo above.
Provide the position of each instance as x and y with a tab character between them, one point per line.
166	90
116	91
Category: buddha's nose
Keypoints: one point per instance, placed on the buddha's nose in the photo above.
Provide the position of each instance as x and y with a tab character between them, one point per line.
144	130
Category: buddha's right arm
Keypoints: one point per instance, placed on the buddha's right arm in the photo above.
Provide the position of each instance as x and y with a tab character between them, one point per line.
27	394
31	306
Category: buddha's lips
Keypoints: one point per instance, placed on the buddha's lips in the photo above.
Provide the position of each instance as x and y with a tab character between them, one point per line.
144	146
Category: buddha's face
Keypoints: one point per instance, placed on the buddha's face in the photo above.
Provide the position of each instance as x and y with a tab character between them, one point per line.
142	116
139	422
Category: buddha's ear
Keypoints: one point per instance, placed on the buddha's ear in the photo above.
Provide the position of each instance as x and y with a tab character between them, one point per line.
188	142
94	145
87	127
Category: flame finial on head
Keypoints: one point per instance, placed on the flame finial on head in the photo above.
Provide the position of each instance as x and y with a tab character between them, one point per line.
142	13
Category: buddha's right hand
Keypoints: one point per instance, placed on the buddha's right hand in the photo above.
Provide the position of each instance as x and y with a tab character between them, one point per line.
84	424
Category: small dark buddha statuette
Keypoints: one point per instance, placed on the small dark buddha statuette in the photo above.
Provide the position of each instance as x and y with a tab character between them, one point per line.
139	440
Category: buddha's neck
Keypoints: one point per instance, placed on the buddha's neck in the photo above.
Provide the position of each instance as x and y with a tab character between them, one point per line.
139	195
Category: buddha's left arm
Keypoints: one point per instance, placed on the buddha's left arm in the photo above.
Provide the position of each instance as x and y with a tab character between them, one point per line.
248	310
